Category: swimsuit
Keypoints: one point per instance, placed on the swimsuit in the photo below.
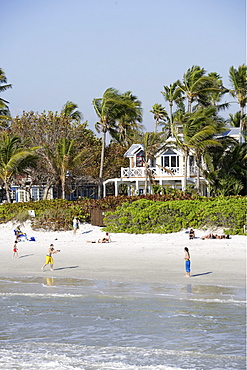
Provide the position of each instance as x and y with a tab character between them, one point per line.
48	260
187	266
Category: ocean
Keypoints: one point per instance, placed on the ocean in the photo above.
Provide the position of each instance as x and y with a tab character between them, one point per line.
68	324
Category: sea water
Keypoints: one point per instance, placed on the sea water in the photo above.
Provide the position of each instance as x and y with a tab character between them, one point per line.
65	324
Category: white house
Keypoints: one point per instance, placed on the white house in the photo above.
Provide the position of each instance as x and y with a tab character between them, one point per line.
167	169
171	159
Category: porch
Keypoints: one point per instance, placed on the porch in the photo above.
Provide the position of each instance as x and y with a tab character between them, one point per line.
157	172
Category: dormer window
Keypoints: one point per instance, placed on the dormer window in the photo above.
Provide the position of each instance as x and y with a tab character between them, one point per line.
140	159
170	159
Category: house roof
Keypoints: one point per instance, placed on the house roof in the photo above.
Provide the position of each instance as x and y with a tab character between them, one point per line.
133	149
233	131
136	147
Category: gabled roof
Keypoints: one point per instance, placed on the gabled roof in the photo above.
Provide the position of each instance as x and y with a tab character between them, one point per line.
233	131
133	149
131	152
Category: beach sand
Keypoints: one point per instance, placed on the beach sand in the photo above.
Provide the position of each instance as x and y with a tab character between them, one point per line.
157	258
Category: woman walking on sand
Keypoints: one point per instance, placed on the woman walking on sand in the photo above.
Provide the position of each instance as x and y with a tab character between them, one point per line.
75	225
187	261
49	259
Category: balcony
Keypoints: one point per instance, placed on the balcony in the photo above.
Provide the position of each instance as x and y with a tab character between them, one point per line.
156	172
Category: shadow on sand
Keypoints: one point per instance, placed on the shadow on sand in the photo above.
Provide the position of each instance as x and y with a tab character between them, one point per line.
26	255
65	268
204	273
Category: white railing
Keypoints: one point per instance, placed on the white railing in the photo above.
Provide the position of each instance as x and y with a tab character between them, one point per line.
156	171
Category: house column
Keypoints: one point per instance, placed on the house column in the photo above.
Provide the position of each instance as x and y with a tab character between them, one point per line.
182	183
116	190
137	186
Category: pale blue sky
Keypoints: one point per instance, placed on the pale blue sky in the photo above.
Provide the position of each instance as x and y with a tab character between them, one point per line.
53	51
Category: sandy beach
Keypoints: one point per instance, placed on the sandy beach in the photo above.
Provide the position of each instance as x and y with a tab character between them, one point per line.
128	258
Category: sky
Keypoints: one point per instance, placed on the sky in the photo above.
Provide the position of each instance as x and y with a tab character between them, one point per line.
54	51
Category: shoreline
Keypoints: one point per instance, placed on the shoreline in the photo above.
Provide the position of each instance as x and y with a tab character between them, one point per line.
136	258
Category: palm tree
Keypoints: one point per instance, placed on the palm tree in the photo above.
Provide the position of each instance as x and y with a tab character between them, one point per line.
129	124
110	109
198	129
238	80
70	110
206	125
14	158
4	109
196	84
4	114
153	142
160	115
226	169
64	159
172	94
235	119
213	97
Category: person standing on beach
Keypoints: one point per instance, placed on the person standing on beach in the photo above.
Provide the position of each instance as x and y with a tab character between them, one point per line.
187	261
49	259
75	225
15	250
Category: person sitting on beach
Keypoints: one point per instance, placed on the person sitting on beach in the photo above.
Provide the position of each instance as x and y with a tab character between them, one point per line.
106	239
191	234
19	233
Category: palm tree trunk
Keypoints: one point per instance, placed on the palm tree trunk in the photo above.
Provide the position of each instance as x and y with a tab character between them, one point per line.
241	124
46	191
63	179
101	165
28	193
146	178
171	123
198	177
155	125
189	104
63	188
6	187
185	171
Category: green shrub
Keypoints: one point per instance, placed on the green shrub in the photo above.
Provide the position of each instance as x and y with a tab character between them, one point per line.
138	214
147	216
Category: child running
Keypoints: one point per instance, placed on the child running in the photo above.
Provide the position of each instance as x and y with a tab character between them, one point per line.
15	250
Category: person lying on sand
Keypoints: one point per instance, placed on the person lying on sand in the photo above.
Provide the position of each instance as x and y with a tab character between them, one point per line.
212	236
106	239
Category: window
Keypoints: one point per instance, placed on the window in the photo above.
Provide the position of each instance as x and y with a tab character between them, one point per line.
22	197
170	159
192	160
140	159
34	192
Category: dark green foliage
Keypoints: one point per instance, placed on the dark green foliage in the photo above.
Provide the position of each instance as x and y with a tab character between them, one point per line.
148	216
57	214
139	214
